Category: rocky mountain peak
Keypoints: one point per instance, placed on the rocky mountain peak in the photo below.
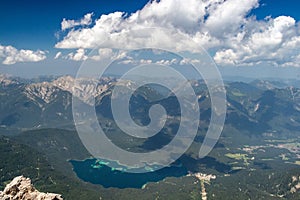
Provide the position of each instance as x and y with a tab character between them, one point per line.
21	188
6	80
44	90
82	88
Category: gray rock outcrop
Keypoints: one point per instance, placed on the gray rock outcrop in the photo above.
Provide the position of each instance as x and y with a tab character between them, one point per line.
20	188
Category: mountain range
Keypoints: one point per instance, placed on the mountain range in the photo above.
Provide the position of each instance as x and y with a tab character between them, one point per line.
258	143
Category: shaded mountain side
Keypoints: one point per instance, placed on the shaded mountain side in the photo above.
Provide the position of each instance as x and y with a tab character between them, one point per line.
21	110
19	159
264	184
58	145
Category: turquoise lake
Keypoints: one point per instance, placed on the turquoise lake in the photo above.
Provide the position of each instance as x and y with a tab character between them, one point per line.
96	172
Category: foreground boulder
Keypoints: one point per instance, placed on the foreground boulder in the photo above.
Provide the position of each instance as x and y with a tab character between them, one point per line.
21	188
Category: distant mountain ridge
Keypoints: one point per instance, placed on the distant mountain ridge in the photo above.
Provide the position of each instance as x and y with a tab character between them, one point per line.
252	106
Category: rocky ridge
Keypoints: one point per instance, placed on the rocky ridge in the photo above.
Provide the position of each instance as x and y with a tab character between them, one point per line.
21	188
81	88
6	80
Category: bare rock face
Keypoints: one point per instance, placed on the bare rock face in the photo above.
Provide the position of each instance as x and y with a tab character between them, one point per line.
82	88
21	189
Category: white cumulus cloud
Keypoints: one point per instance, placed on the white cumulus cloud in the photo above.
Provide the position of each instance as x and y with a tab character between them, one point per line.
104	53
223	27
79	55
10	55
274	41
67	24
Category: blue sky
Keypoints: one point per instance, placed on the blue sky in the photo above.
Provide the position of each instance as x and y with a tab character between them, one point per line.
34	25
277	8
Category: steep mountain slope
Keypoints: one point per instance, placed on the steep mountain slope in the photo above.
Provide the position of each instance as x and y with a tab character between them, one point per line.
23	160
